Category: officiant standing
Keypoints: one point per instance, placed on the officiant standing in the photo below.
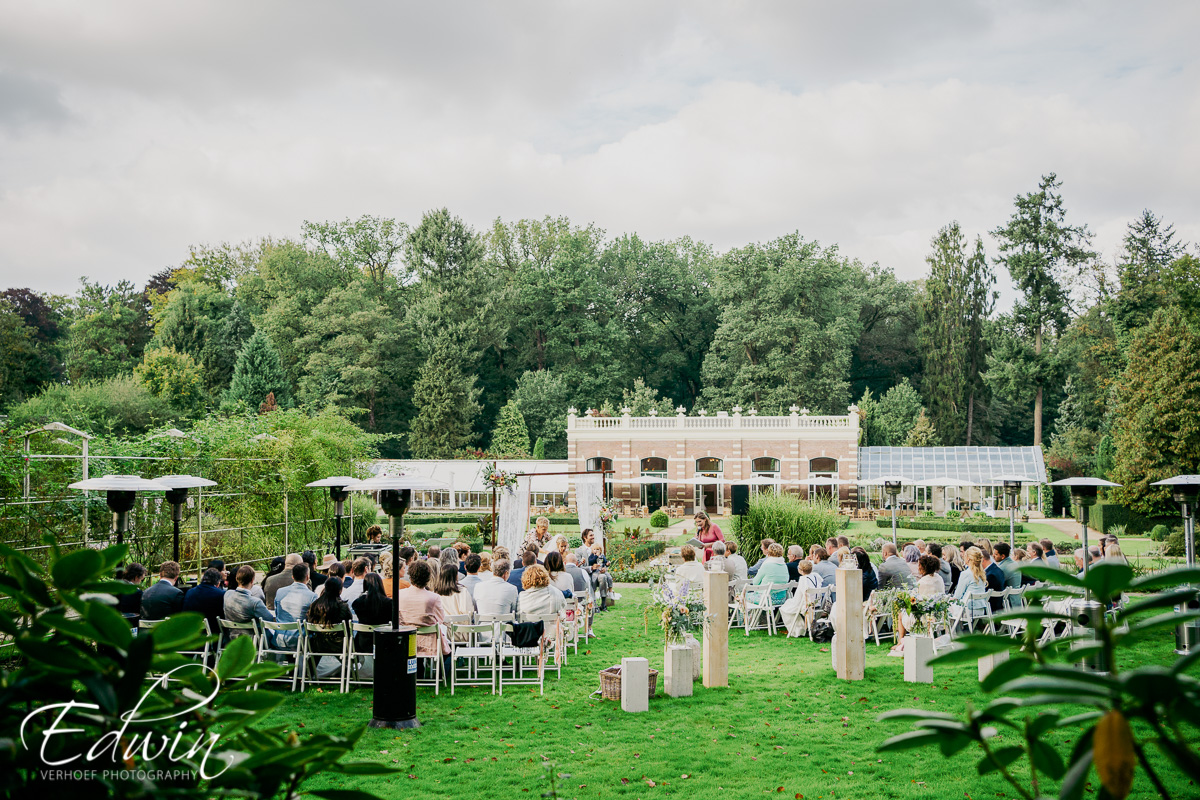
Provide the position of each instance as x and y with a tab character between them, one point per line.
707	533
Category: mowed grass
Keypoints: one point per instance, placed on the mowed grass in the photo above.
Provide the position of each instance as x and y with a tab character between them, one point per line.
785	727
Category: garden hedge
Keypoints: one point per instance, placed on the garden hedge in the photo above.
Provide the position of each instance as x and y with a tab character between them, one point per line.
951	525
625	553
419	518
1103	516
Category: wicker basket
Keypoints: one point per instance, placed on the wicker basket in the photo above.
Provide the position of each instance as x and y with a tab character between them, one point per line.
610	683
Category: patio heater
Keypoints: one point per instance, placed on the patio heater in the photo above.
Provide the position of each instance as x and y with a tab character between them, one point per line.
395	691
1012	490
177	493
892	487
1185	490
1087	612
338	494
120	493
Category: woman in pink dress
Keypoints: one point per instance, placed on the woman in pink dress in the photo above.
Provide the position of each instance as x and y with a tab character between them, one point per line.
707	533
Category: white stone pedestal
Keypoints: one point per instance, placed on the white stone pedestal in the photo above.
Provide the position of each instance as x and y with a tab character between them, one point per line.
635	684
677	670
697	656
990	662
918	649
716	629
848	644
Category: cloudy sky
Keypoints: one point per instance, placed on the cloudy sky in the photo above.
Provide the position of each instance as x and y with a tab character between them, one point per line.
129	130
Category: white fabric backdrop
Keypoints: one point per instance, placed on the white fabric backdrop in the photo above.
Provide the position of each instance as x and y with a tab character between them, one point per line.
512	517
589	494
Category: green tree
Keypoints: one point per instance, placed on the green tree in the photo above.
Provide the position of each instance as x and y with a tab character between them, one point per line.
544	398
923	433
18	356
894	414
258	373
511	437
235	331
372	245
47	328
1149	249
117	406
1156	430
190	320
109	331
641	398
173	376
539	449
1040	251
353	342
888	347
788	324
446	401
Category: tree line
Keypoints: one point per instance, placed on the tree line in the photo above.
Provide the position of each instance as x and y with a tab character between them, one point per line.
453	340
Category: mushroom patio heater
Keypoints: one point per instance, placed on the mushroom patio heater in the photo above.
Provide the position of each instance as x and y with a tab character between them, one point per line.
1012	490
338	494
1086	611
120	492
177	493
1185	490
892	484
395	700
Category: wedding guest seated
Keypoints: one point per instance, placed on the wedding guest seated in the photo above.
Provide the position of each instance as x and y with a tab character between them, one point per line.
929	585
207	597
485	564
764	545
794	553
422	608
387	574
336	572
558	577
773	571
471	579
870	582
434	554
912	557
163	598
973	581
273	568
318	574
985	544
463	549
822	566
239	605
456	601
500	552
602	582
291	604
735	564
274	583
893	571
495	595
358	570
539	598
690	570
1080	555
219	565
310	560
348	573
995	579
582	588
831	547
131	603
953	556
934	549
330	610
371	607
1049	554
1007	565
717	562
794	611
528	559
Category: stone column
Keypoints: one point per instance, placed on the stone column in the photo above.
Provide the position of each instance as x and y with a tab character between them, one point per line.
990	662
716	629
635	684
918	649
677	670
848	622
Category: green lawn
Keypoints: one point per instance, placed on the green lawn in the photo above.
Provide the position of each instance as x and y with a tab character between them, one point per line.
785	727
413	526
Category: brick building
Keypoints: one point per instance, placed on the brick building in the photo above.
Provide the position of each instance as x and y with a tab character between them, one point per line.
699	457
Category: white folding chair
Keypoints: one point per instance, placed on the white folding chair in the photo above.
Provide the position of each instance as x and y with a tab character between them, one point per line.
234	630
737	603
310	659
271	650
477	652
358	657
761	608
821	597
436	668
535	654
872	616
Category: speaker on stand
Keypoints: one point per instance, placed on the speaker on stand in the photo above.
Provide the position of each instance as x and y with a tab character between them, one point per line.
741	500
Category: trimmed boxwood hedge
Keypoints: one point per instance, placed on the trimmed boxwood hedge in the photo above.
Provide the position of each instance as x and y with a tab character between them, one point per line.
419	518
626	552
951	525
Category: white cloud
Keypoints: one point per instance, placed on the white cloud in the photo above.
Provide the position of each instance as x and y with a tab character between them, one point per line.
146	128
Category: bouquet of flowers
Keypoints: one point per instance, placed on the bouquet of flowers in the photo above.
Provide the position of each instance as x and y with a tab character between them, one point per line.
608	512
498	478
679	611
925	611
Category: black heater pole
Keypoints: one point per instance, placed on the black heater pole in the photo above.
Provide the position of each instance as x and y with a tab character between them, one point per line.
338	495
120	503
176	497
395	696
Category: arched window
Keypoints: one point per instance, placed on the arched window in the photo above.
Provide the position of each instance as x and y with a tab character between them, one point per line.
824	466
599	463
710	465
654	465
765	464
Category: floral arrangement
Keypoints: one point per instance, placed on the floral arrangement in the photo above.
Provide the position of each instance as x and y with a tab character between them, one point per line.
608	513
679	612
498	478
925	611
